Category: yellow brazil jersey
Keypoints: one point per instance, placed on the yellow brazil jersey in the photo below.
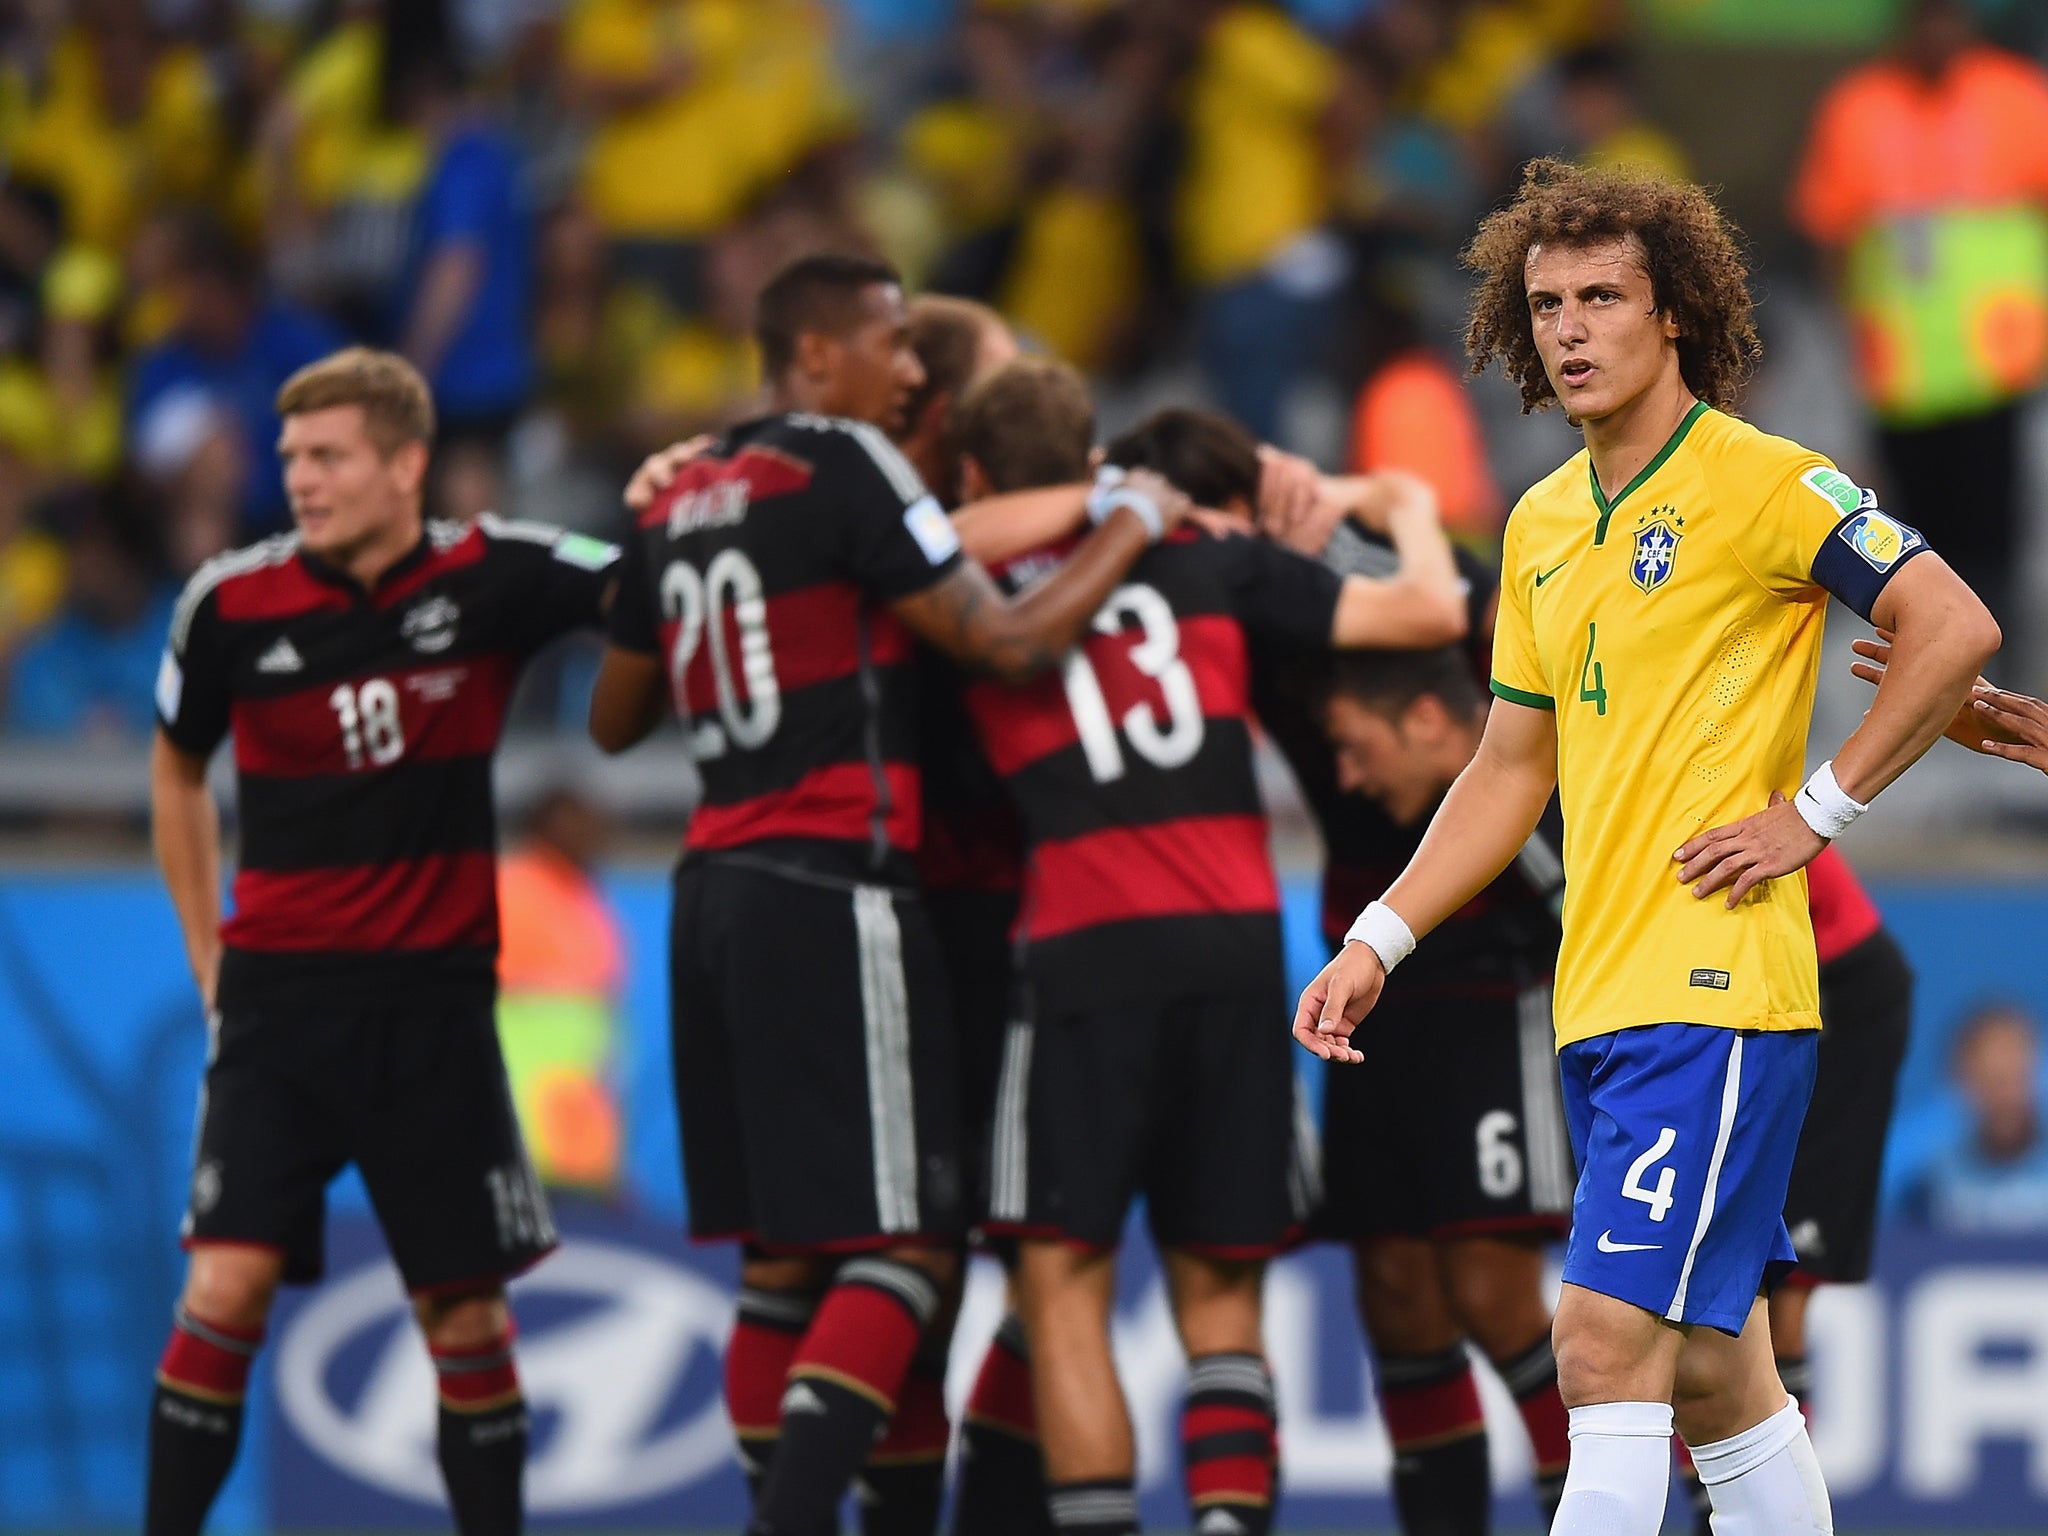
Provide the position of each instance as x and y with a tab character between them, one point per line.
1676	631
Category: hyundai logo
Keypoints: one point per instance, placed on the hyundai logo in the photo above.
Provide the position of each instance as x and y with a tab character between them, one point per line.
600	1380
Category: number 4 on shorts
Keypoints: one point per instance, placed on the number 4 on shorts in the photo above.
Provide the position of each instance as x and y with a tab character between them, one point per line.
1658	1199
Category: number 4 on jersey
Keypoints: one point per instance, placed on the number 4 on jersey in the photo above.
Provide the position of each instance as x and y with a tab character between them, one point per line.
1658	1199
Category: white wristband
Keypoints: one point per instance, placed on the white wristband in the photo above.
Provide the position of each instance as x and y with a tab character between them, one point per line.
1111	492
1380	929
1824	805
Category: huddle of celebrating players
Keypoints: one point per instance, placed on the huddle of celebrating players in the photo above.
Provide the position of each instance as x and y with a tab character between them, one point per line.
976	930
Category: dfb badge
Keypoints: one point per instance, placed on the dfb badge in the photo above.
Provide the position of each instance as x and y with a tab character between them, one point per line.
431	625
1656	551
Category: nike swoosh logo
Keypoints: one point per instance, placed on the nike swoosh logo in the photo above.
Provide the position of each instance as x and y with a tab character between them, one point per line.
1543	576
1607	1244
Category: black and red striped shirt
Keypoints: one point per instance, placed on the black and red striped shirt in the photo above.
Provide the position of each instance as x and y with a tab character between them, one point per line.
763	575
364	722
1502	940
1148	868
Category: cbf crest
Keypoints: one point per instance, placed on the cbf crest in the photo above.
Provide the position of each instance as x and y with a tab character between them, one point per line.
1656	549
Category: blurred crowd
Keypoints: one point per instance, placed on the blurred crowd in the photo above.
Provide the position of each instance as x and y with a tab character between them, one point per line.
562	211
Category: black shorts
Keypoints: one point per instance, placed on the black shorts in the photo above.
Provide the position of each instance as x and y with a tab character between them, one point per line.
973	929
1189	1101
814	1066
412	1092
1452	1125
1866	1011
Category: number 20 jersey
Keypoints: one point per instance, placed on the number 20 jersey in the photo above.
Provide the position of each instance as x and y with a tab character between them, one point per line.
762	577
364	724
1148	870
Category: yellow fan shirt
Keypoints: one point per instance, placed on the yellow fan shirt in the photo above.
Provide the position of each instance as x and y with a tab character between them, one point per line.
1676	632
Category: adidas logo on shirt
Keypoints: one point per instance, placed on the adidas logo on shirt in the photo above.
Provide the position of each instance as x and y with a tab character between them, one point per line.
1220	1522
281	657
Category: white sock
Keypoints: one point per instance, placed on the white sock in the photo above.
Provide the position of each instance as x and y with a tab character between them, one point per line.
1765	1481
1620	1471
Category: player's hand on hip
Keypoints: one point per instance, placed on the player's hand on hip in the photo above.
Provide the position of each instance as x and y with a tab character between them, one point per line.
1744	854
658	470
1338	1000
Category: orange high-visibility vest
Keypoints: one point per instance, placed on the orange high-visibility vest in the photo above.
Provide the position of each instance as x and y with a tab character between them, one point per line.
1937	196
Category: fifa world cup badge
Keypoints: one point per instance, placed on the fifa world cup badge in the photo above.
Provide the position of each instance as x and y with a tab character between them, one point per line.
1656	550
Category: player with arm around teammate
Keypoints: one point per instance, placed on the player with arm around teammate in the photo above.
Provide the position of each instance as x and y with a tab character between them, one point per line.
772	592
362	664
1654	661
1149	951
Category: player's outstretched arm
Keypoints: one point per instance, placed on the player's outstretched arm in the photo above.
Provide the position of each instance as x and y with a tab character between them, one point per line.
184	828
1423	603
1993	722
1476	833
626	703
1942	637
968	617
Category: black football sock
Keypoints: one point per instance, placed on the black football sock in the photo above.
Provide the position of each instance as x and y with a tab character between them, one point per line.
903	1484
1101	1506
482	1436
1002	1471
1442	1485
195	1421
843	1388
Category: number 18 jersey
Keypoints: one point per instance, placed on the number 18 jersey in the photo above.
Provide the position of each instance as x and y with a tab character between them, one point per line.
363	724
1676	632
762	577
1147	870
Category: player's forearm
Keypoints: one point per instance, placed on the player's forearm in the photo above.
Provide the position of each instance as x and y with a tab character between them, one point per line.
185	832
1476	833
1000	528
1029	634
1944	637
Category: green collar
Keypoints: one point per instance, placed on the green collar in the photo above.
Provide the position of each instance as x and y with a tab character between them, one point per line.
1699	409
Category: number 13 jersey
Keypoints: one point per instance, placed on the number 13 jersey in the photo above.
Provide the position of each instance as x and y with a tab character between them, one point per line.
762	577
1676	632
1148	870
363	724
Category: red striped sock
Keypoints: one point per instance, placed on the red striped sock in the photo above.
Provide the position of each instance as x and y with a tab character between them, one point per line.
1227	1434
767	1329
843	1389
195	1421
480	1437
1002	1473
1531	1379
1431	1404
479	1378
209	1361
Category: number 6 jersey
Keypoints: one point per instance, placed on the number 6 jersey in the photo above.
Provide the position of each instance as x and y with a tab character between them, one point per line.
363	724
762	576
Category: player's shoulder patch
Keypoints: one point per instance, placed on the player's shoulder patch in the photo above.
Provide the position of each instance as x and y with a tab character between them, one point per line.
933	530
1837	489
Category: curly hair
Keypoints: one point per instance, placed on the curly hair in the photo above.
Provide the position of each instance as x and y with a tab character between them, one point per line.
1691	252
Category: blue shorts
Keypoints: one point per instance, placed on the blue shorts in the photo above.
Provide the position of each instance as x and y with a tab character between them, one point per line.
1684	1136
